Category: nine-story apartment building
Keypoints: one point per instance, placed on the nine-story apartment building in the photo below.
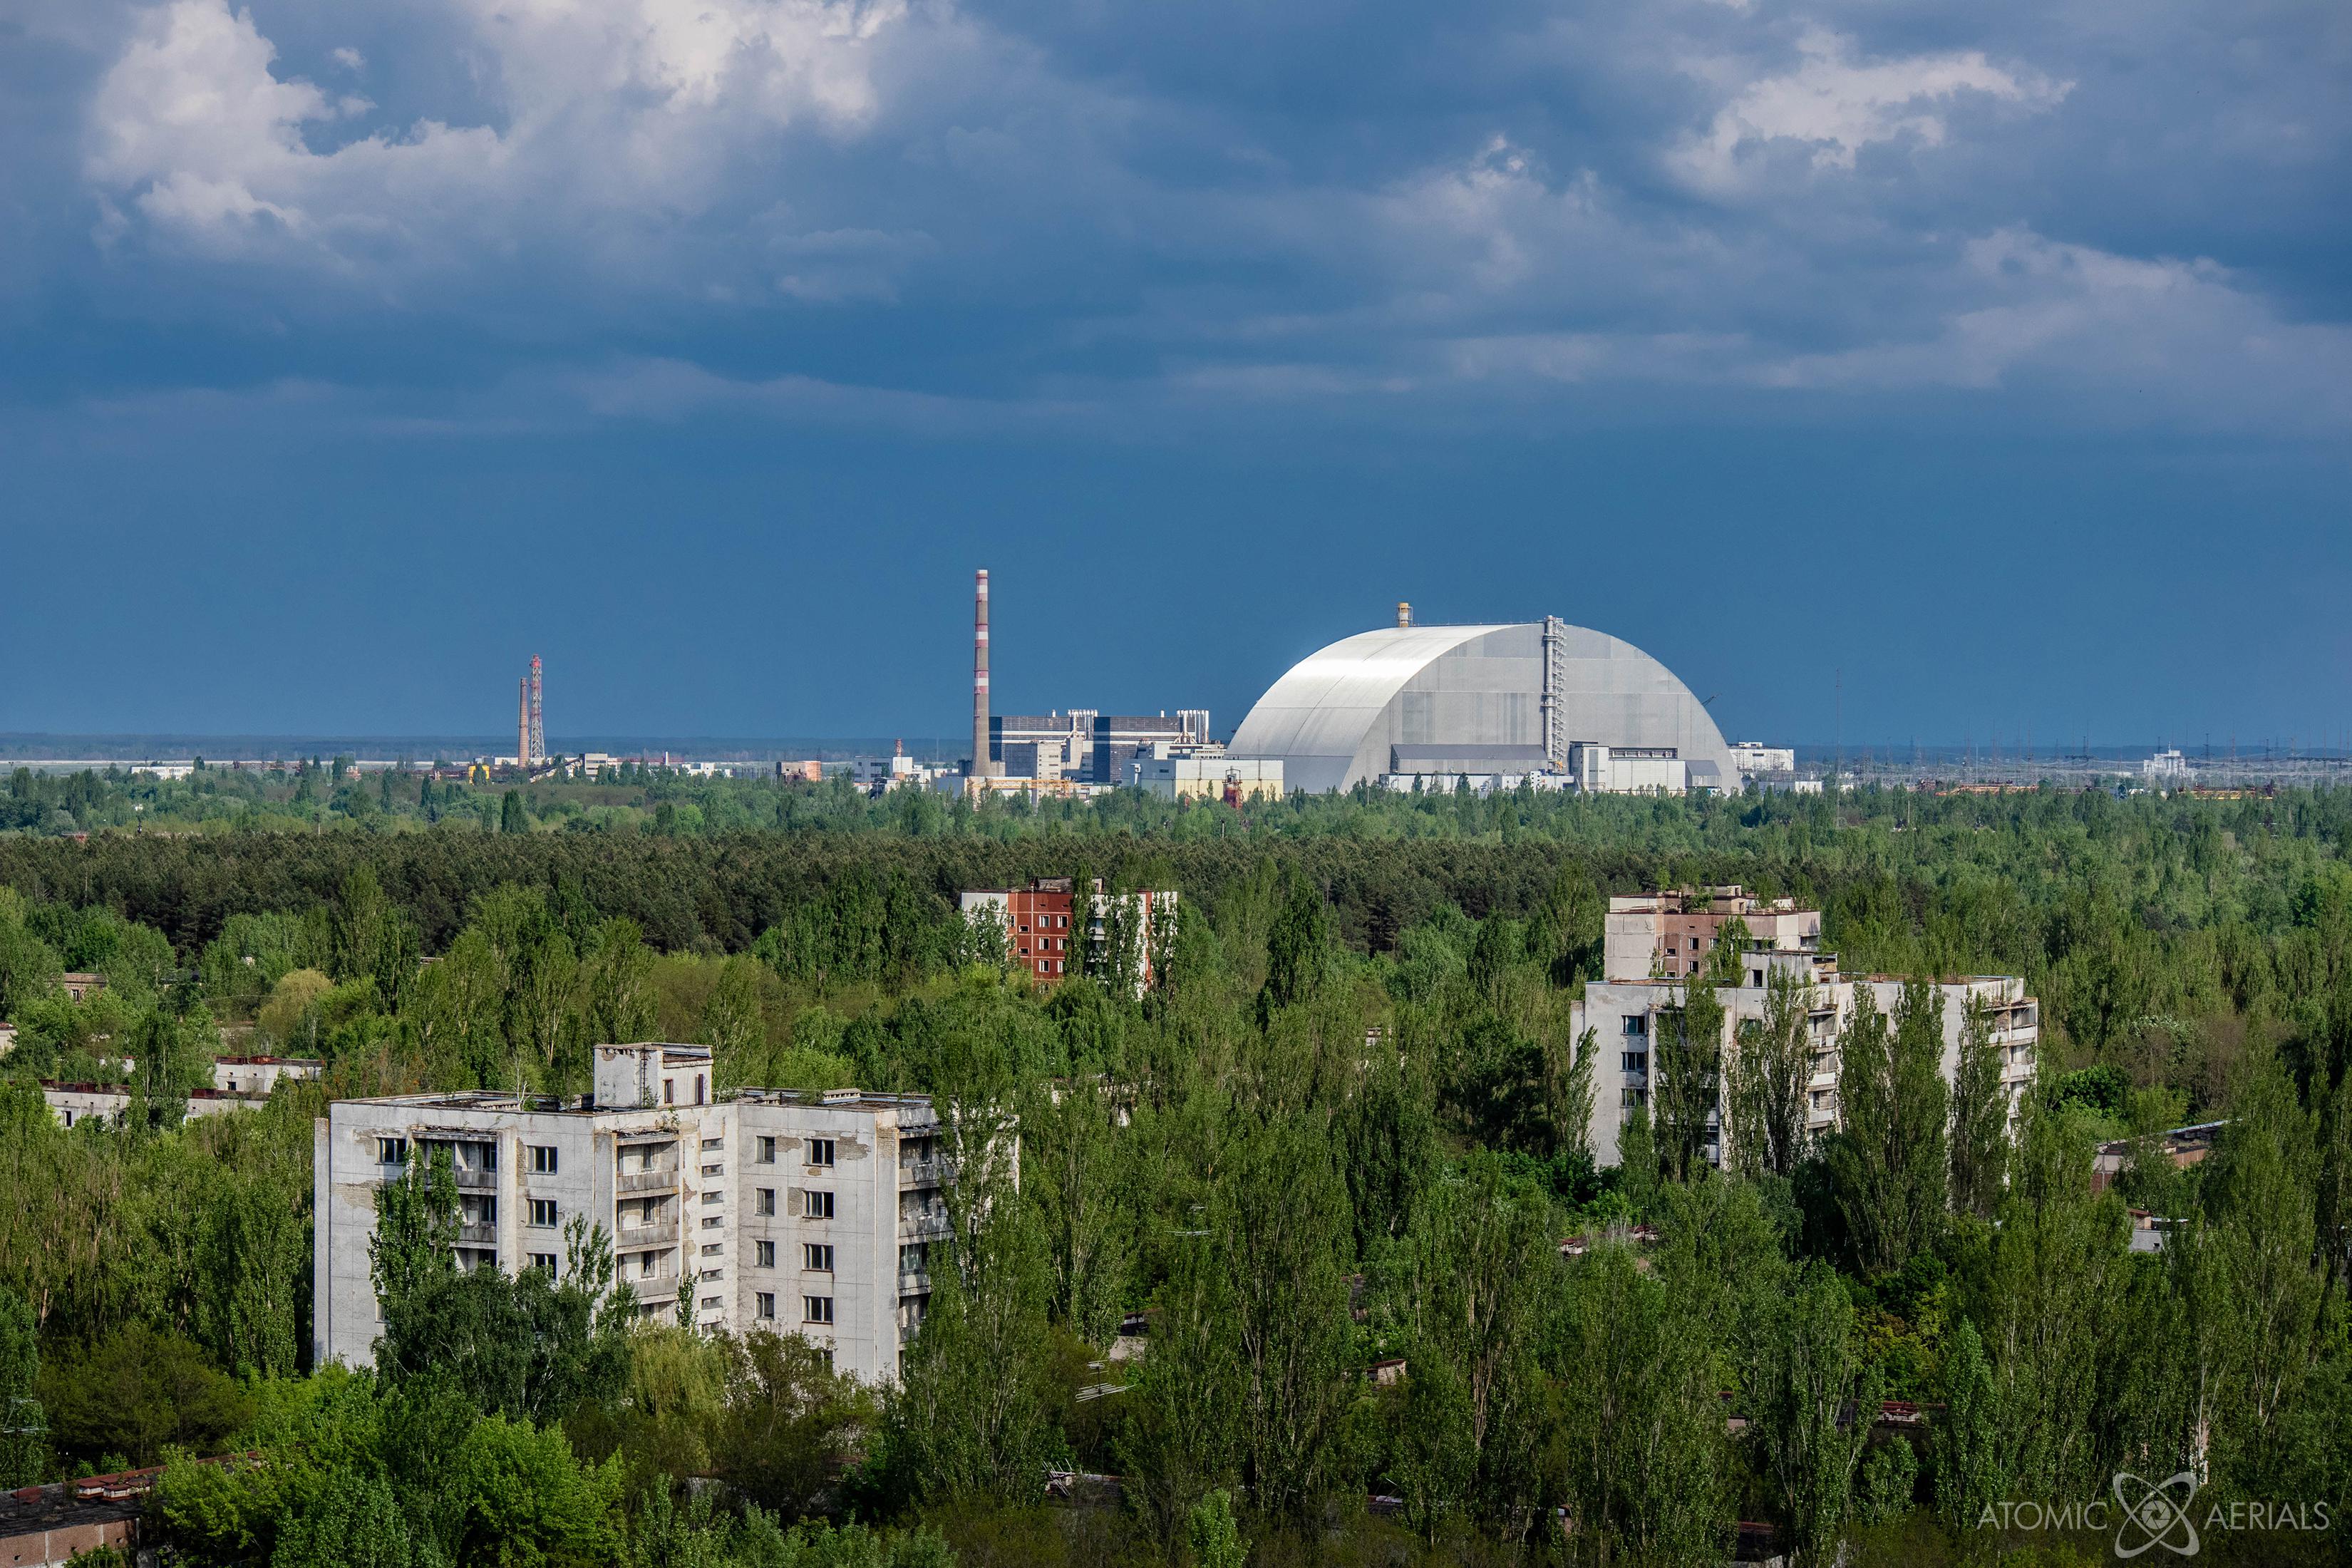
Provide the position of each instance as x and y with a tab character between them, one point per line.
768	1208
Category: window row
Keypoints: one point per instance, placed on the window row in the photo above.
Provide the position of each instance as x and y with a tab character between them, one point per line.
815	1204
543	1157
818	1151
814	1309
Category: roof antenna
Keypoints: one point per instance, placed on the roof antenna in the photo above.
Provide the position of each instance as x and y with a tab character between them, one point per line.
1404	614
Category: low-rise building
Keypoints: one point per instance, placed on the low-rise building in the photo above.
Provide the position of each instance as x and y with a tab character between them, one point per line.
74	1103
256	1076
766	1208
1627	770
1754	759
1206	773
2181	1146
8	1037
81	987
876	776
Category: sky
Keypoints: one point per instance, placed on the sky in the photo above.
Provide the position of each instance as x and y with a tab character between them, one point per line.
1939	370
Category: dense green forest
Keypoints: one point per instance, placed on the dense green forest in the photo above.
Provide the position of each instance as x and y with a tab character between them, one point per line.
1345	1129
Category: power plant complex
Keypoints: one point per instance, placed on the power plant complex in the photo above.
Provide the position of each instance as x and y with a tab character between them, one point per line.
1539	704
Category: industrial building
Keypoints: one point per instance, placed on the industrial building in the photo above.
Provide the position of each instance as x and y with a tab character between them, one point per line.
1428	705
1085	746
1058	752
1756	760
1650	937
768	1208
1203	772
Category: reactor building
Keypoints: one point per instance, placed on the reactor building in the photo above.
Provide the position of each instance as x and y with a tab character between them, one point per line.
1540	701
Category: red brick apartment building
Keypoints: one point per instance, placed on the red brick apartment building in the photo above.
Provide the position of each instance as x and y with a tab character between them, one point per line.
1052	930
1038	930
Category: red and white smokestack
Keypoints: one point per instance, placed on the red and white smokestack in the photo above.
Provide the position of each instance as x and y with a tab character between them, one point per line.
523	723
538	731
981	767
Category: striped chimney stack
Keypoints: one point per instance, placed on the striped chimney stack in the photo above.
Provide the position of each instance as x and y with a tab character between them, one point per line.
981	767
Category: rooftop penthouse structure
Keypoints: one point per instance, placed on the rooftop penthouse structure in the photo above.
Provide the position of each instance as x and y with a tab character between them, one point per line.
766	1208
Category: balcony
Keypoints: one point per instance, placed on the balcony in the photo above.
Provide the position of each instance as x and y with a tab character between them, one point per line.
927	1225
471	1179
645	1182
915	1284
637	1237
926	1174
478	1235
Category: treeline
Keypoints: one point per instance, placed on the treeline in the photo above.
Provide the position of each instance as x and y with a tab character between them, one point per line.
1329	1161
2158	926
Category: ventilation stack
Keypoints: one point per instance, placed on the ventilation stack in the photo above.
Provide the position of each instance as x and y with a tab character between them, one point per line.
538	732
522	724
981	767
1404	614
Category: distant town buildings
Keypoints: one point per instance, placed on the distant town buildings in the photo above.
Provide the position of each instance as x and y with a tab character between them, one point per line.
1653	943
764	1208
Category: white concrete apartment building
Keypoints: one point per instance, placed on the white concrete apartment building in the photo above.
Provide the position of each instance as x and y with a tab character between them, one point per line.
1623	1009
769	1209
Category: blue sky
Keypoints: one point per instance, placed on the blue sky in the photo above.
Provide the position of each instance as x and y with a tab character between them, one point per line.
1997	356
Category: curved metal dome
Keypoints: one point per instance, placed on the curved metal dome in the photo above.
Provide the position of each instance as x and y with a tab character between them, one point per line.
1471	698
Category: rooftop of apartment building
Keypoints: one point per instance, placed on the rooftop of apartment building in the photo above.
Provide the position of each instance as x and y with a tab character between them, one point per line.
507	1102
1730	898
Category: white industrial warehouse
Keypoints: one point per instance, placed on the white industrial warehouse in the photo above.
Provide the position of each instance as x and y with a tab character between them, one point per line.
1537	702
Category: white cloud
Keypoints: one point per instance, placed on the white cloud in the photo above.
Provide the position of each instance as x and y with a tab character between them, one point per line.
1836	105
349	59
631	106
2161	340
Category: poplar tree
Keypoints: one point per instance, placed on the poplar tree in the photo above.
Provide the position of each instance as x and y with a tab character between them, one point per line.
1766	1078
1813	1398
1887	1160
1979	1134
1686	1068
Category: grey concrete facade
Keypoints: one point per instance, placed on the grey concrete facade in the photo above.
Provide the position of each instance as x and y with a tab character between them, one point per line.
1624	1016
770	1209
